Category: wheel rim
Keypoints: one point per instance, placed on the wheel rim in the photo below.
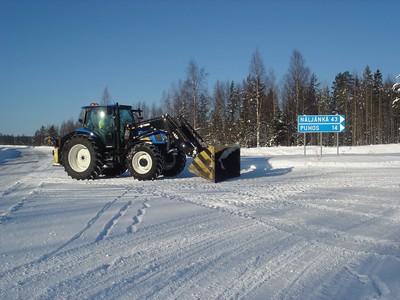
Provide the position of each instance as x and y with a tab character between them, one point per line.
142	162
79	158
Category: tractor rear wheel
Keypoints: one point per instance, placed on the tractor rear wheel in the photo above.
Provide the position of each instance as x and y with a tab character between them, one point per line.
174	163
145	162
82	158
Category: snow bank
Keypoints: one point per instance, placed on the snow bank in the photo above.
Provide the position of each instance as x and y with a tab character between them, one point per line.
355	157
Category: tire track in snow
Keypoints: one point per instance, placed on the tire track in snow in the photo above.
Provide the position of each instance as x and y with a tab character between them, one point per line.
138	218
326	238
199	256
136	255
88	225
280	199
14	207
110	224
50	254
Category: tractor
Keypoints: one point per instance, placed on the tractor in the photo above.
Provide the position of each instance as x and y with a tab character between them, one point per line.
114	138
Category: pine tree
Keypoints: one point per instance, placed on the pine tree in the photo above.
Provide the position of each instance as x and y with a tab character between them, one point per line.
396	90
367	87
40	137
232	115
342	103
378	106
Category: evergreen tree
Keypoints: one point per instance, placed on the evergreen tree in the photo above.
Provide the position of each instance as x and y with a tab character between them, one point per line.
367	88
233	115
311	102
248	119
341	103
396	90
378	107
52	134
40	137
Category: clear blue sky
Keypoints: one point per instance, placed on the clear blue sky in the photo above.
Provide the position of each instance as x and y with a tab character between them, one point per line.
56	56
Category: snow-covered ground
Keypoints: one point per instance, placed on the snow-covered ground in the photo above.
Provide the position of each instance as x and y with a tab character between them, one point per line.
291	227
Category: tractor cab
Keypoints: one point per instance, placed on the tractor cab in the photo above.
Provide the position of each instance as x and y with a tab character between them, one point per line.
108	121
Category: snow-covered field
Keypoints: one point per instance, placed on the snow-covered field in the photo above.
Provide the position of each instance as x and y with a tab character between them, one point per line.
291	227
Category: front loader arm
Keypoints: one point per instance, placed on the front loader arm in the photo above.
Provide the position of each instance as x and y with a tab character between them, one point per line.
214	163
181	135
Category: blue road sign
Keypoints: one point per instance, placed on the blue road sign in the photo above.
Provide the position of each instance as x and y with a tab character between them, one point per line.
321	123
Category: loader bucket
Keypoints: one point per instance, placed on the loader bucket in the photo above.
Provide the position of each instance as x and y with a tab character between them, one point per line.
217	163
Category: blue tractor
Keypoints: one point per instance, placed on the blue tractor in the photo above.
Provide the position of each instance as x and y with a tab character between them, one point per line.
114	138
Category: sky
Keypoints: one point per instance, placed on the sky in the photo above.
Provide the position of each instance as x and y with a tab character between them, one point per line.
56	56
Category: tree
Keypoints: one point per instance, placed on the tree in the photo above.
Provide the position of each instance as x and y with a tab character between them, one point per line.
203	117
40	137
52	134
396	90
342	104
155	111
67	127
166	103
367	88
256	90
395	108
233	114
106	98
194	86
294	93
248	125
218	113
378	104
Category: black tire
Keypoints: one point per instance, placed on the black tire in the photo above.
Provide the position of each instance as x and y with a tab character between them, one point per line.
81	158
145	162
174	163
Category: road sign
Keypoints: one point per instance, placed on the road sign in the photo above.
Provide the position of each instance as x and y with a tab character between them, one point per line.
321	123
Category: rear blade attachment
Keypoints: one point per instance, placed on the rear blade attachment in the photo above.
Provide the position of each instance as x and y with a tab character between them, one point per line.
217	163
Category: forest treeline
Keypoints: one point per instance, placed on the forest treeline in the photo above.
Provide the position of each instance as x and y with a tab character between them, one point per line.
258	111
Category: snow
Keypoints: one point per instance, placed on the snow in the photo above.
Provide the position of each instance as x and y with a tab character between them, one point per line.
291	227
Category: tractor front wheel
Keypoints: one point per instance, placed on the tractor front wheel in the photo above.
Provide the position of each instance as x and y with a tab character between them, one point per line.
145	162
81	158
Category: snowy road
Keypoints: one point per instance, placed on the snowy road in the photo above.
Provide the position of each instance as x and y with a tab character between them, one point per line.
291	227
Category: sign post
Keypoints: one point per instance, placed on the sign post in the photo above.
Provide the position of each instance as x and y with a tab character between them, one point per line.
321	124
